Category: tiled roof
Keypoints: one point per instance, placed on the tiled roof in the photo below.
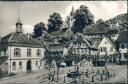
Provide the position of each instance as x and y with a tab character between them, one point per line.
56	47
111	41
95	29
60	32
20	39
80	39
2	59
6	38
113	31
95	45
64	32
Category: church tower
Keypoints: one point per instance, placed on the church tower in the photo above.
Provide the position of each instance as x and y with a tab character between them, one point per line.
19	28
70	19
72	13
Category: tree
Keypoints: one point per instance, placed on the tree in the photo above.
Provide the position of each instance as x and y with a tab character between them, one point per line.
38	29
102	24
99	21
124	25
83	18
54	22
49	59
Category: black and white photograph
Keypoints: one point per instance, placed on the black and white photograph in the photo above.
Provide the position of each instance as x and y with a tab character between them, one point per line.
63	42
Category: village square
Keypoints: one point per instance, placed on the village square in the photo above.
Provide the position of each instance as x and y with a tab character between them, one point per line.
76	50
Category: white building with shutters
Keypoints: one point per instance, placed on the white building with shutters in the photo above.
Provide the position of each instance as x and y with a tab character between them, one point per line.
22	51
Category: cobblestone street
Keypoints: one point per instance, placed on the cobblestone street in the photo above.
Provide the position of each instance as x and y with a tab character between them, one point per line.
42	78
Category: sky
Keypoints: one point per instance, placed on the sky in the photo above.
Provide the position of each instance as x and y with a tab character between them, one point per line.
32	12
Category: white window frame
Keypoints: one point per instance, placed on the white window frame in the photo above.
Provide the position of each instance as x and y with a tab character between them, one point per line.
17	52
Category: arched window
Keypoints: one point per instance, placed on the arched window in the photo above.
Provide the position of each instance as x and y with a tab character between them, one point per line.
14	66
17	52
38	53
20	65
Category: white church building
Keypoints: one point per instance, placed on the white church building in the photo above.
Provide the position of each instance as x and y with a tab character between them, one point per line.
23	53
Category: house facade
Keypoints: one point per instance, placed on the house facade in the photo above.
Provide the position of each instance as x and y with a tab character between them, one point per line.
80	45
106	47
57	48
24	53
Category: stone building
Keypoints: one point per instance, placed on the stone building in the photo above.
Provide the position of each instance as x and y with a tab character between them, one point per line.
23	52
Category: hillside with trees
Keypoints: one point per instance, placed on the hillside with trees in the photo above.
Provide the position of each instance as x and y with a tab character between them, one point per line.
83	22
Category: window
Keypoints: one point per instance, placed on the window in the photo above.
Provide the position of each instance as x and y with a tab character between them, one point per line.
17	52
101	49
14	66
104	49
38	52
113	35
20	65
111	49
122	46
29	52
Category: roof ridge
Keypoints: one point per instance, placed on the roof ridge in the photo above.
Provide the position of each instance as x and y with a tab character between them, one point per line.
11	36
4	60
110	40
85	39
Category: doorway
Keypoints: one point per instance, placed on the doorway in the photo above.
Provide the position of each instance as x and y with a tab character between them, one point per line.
29	68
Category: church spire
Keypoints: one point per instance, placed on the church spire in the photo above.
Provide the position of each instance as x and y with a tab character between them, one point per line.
19	28
71	17
72	12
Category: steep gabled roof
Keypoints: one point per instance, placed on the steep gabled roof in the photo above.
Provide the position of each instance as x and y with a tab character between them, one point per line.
109	40
3	59
80	39
95	29
6	38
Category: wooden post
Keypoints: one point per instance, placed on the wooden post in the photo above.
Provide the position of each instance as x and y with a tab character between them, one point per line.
57	74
